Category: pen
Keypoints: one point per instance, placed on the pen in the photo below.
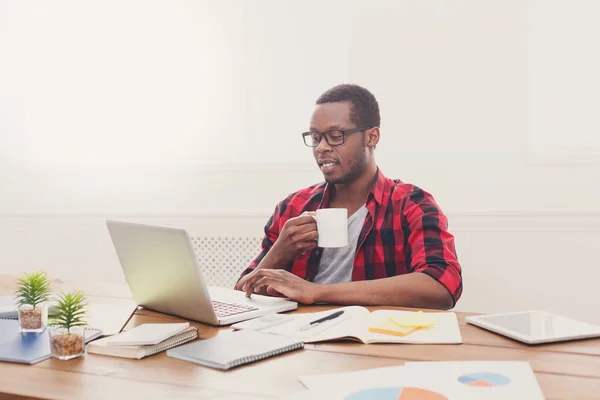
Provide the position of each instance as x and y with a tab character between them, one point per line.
318	321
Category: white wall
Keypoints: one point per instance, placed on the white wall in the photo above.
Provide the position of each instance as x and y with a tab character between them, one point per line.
184	112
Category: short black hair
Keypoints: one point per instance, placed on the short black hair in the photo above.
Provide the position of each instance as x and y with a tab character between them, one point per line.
364	111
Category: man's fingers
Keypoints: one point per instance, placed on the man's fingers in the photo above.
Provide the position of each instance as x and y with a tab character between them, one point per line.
267	281
309	237
302	220
265	277
249	286
302	229
249	289
250	280
253	278
245	283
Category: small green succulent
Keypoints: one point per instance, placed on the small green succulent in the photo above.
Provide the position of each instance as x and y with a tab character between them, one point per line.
70	311
33	289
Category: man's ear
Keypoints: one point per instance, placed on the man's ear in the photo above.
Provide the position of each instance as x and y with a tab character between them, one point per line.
372	137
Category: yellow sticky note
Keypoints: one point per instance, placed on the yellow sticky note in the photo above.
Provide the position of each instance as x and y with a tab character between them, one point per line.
388	327
413	320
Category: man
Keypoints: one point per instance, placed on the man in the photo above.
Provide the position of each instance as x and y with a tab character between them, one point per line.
400	252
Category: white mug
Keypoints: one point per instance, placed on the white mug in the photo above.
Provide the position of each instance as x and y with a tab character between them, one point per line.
332	227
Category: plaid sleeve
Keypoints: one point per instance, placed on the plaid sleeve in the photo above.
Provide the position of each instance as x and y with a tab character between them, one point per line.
270	236
431	246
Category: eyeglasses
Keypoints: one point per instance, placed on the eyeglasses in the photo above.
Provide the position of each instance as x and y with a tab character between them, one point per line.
333	137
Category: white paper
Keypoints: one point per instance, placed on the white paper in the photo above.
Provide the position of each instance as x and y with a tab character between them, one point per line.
109	315
498	379
147	334
379	383
384	393
7	304
350	322
509	380
355	379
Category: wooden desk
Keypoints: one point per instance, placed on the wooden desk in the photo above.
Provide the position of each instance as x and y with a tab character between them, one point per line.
564	371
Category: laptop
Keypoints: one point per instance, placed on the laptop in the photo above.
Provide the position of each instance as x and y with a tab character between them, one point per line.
161	269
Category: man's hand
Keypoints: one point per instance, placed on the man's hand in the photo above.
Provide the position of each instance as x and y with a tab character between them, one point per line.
242	282
298	235
279	282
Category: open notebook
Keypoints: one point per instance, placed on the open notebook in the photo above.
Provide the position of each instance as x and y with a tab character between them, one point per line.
355	322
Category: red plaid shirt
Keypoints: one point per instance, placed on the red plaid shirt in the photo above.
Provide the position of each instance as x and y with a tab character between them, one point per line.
405	231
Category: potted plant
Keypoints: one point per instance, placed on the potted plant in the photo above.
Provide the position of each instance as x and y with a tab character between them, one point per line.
33	293
67	326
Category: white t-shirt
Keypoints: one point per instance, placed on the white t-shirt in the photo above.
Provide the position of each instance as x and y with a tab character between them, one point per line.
336	263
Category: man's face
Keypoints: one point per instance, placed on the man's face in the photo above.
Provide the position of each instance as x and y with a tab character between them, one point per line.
344	163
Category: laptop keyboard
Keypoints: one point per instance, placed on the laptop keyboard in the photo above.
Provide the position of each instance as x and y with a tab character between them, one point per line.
227	309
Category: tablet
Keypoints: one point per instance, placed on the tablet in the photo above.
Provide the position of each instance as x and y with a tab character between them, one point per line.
534	327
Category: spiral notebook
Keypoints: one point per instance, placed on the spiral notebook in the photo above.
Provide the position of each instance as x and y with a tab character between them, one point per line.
231	349
103	347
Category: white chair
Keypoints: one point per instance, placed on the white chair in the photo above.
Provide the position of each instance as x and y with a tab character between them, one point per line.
222	259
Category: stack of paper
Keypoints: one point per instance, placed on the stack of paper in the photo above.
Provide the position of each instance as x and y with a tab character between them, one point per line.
144	340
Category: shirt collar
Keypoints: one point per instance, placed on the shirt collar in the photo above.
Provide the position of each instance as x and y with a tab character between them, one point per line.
378	187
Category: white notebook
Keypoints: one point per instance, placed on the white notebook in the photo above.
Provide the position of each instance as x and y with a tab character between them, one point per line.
230	349
147	334
101	346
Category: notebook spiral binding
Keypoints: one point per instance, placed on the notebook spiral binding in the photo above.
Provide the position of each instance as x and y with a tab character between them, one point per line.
171	342
257	357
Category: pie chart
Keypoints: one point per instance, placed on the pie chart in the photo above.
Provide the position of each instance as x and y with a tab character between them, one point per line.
484	379
396	393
